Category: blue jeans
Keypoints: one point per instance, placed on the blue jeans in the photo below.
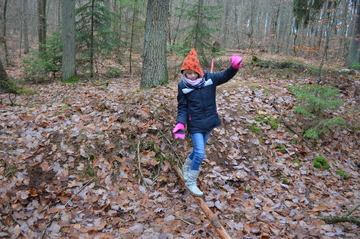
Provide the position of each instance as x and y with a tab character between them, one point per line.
198	153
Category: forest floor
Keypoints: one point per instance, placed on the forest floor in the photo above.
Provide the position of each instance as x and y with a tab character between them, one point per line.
87	160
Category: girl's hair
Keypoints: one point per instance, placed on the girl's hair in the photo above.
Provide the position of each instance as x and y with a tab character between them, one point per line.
189	72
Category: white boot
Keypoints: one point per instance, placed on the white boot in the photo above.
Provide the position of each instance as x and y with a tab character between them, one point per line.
186	168
191	183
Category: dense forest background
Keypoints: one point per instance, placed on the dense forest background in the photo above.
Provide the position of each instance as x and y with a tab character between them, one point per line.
312	29
88	101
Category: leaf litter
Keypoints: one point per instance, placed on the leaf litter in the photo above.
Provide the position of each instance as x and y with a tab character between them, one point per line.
117	139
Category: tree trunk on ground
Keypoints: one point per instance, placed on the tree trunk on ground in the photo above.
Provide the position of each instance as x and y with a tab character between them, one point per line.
68	39
343	218
154	70
209	214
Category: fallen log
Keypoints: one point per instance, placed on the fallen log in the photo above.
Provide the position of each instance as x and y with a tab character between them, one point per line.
343	218
209	214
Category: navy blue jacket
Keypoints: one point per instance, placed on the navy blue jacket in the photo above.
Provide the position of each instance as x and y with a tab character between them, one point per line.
197	107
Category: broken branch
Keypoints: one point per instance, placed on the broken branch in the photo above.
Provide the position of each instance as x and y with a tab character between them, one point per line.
343	218
210	215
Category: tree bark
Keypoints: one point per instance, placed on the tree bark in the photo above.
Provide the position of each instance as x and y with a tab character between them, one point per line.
225	24
154	69
26	28
354	55
42	24
92	35
68	39
3	77
132	38
343	218
4	33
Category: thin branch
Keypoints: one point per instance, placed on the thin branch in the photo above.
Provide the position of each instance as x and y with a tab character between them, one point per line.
352	210
189	223
209	214
283	120
338	219
172	147
343	218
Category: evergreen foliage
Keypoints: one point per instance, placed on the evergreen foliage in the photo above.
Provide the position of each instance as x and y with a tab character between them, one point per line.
324	127
11	86
198	34
306	11
342	174
94	36
41	65
72	79
355	66
313	101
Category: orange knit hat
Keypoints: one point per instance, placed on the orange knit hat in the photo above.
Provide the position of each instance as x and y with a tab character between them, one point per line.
191	62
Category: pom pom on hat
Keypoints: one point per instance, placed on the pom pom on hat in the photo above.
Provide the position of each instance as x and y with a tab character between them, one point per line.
191	62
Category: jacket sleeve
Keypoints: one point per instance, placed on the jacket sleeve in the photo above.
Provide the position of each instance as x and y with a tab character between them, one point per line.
222	77
182	106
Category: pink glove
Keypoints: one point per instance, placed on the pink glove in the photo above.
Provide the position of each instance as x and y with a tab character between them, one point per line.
236	61
178	131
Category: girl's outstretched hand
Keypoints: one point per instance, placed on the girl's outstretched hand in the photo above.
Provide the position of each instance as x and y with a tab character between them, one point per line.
178	131
236	61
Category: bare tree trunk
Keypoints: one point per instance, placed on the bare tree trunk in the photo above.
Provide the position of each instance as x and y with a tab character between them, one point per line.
92	39
42	24
3	74
343	42
154	71
225	24
68	39
323	22
26	28
132	35
3	77
4	33
277	24
354	55
250	31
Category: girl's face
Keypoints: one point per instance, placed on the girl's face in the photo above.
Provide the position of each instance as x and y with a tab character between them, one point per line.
191	75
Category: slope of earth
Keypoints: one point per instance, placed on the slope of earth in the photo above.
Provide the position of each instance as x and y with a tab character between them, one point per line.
86	161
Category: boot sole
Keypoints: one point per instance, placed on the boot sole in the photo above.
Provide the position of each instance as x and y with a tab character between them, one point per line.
198	195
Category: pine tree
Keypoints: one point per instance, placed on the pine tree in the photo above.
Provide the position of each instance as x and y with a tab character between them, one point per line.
93	30
315	102
198	33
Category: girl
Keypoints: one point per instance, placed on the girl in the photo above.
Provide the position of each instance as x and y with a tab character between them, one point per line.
197	109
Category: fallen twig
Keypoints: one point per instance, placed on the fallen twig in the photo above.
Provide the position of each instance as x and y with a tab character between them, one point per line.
58	213
286	124
172	147
210	215
343	218
189	223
